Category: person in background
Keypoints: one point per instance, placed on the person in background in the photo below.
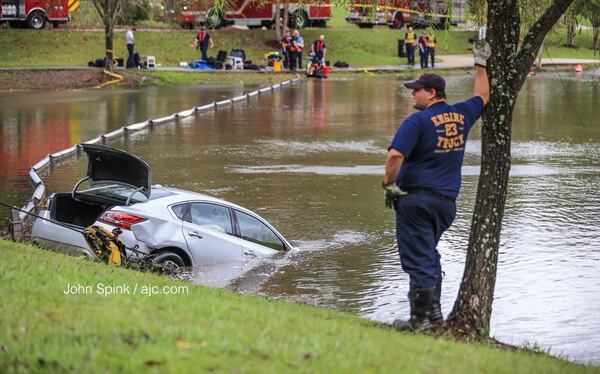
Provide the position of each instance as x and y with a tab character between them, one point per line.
319	49
299	40
203	41
130	39
431	41
286	43
422	43
410	41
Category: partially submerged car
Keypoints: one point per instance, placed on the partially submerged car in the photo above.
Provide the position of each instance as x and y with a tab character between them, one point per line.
178	227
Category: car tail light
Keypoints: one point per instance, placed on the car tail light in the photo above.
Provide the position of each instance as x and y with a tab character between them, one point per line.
120	219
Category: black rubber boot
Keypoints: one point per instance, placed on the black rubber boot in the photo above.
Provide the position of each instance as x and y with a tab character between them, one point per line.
436	317
420	310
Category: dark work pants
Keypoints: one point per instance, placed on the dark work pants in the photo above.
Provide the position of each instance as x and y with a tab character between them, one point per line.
423	57
292	62
420	222
410	54
203	50
130	63
431	53
299	59
286	60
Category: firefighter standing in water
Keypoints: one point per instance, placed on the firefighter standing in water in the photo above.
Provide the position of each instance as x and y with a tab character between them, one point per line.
319	49
422	180
410	40
203	41
431	47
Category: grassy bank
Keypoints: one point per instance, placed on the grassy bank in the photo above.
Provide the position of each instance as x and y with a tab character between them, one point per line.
358	47
203	329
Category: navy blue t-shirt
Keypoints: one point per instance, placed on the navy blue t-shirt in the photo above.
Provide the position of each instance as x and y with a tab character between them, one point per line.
432	142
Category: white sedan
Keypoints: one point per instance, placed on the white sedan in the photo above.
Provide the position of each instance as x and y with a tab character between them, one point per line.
179	227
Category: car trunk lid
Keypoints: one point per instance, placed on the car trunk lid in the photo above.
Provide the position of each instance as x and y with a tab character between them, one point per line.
107	164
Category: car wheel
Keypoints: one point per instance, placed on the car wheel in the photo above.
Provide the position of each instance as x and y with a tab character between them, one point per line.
170	260
36	20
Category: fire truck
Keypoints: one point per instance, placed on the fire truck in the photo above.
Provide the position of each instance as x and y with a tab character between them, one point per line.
35	13
398	13
255	14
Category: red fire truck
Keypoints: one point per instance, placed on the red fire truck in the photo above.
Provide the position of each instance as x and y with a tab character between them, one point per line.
35	13
397	13
255	14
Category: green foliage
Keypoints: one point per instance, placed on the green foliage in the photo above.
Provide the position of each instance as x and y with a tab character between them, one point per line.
205	329
133	12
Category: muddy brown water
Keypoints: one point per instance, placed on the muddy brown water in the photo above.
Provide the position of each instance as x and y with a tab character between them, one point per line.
310	159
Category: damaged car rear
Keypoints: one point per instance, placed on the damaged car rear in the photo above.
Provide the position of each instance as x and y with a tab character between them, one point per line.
177	227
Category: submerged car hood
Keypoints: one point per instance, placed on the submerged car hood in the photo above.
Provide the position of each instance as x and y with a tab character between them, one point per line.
107	164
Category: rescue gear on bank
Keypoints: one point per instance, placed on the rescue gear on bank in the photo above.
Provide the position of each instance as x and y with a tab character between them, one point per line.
105	244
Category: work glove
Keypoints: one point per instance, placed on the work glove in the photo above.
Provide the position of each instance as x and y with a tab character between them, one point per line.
392	192
481	52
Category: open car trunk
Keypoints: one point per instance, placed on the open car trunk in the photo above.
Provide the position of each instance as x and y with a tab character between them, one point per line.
64	209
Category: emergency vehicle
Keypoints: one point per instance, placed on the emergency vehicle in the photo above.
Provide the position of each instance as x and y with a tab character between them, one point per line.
35	13
398	13
255	14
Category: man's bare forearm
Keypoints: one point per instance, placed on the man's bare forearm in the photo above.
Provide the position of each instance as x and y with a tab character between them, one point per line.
393	163
482	85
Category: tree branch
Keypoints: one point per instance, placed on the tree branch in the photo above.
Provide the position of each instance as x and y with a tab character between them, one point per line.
538	31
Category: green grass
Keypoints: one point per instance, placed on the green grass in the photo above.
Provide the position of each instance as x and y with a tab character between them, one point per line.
205	329
358	47
184	78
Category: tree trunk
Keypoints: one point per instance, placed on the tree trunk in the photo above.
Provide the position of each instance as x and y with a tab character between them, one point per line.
595	32
277	16
108	44
507	70
571	27
286	15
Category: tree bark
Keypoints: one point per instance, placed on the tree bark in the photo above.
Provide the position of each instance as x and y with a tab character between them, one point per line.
507	69
109	11
277	16
286	15
108	44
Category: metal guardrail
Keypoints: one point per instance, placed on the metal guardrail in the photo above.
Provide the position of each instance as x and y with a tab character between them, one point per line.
51	161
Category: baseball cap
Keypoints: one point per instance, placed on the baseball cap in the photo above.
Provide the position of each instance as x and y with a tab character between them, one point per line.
429	81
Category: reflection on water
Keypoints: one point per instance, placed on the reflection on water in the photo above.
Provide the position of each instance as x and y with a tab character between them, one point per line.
34	124
309	160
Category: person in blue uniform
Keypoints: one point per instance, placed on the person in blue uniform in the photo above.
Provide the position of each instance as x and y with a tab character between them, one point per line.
422	180
422	43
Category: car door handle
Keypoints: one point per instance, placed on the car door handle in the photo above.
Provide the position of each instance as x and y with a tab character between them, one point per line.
195	234
249	253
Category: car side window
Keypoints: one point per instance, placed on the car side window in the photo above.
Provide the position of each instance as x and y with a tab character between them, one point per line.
211	216
181	210
255	231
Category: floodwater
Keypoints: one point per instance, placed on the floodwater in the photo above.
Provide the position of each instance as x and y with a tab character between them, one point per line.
309	158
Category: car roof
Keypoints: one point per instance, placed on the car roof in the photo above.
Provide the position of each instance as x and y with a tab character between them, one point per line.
177	195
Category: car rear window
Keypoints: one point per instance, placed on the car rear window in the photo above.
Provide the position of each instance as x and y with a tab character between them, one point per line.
122	193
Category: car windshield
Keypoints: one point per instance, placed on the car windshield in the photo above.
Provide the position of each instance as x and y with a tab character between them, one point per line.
121	193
